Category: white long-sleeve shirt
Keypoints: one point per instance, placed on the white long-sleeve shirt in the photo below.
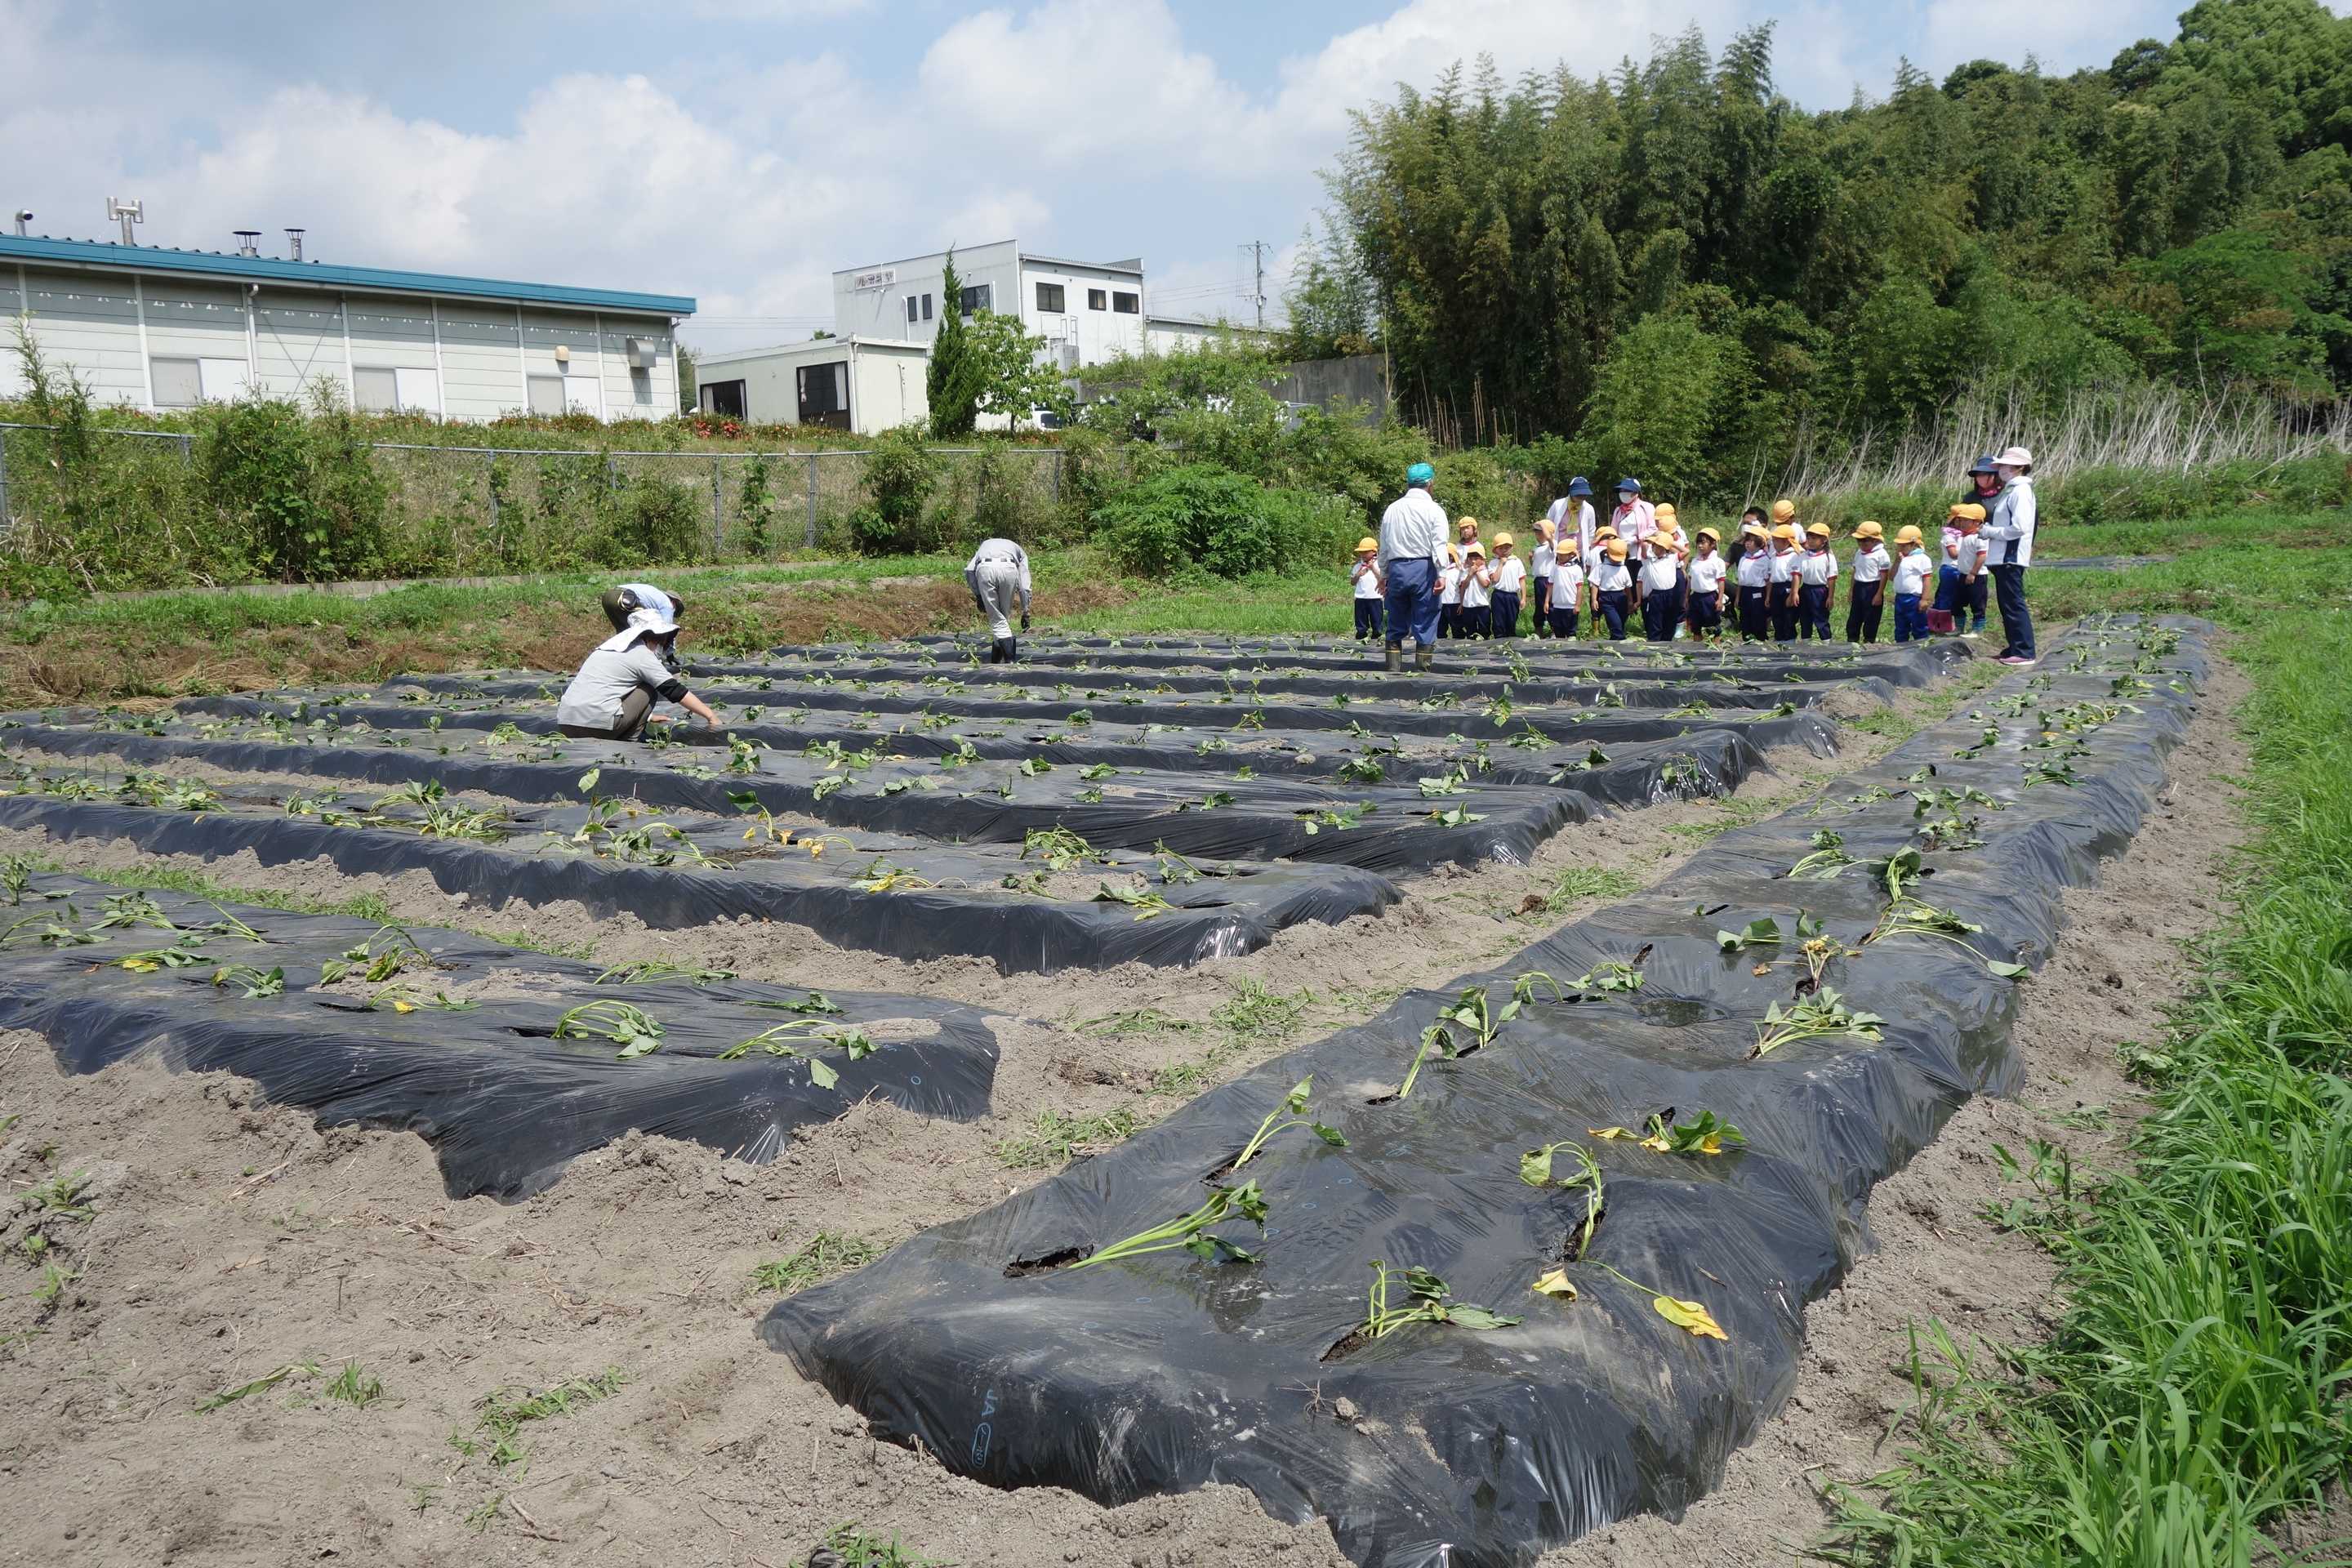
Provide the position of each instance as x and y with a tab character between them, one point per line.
1412	529
1572	515
998	550
2008	524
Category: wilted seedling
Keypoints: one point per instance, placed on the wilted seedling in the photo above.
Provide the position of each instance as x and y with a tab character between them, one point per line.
1609	977
1456	816
626	1026
252	981
1819	1015
1451	782
646	971
390	952
1191	1231
1691	1316
259	1384
1145	904
1295	1105
1426	1302
778	1042
179	956
1766	930
1534	1170
1061	849
1705	1135
1828	858
124	910
1343	818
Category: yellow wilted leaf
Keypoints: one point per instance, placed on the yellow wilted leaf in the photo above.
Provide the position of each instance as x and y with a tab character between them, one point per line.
1711	1144
1690	1317
1556	1284
1762	969
403	1006
1613	1132
1663	1145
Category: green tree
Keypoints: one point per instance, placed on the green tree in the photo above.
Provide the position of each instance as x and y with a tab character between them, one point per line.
1013	380
957	379
1663	403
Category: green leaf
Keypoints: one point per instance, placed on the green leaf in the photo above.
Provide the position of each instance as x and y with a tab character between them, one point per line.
588	780
2008	971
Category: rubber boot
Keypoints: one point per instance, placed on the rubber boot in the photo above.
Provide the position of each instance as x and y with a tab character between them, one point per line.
996	650
1011	650
1424	660
1396	659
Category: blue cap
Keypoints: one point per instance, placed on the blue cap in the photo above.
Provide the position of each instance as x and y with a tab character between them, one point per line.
1420	474
1630	484
1984	466
1576	487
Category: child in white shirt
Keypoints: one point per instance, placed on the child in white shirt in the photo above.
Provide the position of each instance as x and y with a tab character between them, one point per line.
1870	562
1566	594
1540	562
1612	588
1817	574
1706	570
1753	573
1477	592
1371	591
1661	586
1449	594
1912	569
1509	575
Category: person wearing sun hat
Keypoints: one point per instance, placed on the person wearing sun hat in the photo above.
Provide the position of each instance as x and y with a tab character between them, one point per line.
1612	588
611	696
1411	553
1912	568
1866	603
1571	518
1780	580
2008	531
1370	589
1703	605
1635	517
1753	577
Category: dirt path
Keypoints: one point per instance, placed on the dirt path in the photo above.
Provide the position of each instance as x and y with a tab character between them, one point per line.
230	1242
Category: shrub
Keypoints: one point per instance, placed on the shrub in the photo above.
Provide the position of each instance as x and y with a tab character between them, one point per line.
899	475
1193	514
654	523
302	487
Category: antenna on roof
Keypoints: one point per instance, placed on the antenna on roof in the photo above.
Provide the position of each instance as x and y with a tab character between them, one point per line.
294	238
24	219
125	213
248	241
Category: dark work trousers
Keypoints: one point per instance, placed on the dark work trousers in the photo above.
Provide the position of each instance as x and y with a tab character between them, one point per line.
1755	620
1813	610
1910	620
1540	608
1660	609
1563	618
1705	615
1471	621
1412	603
1948	588
1861	612
1449	620
1613	605
1972	594
1368	619
1504	620
1784	614
2016	620
629	725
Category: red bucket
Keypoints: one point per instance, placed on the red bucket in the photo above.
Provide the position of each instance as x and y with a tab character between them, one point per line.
1940	622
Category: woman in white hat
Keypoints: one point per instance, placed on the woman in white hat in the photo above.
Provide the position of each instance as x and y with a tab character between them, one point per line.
2009	530
612	697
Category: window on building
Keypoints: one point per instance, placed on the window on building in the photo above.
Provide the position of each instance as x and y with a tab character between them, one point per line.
722	399
1098	299
546	395
914	309
179	384
926	307
380	389
978	297
375	390
1050	298
1126	304
825	394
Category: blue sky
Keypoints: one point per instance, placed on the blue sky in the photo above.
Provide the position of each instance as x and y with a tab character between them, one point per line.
740	151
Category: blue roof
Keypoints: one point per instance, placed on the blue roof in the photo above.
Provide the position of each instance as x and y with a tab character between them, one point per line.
108	254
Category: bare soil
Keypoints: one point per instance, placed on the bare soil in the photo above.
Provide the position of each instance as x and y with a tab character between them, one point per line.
231	1240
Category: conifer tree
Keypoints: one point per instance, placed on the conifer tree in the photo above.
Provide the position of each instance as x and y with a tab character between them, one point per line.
957	376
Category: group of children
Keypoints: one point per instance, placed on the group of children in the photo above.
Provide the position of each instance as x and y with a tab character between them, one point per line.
1781	584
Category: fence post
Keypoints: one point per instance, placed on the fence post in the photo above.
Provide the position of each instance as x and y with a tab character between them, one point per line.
490	478
7	518
187	451
1056	496
717	527
812	515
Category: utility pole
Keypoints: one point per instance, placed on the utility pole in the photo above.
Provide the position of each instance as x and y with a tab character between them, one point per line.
1255	250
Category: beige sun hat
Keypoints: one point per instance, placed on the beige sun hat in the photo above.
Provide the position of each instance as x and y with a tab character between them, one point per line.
2015	458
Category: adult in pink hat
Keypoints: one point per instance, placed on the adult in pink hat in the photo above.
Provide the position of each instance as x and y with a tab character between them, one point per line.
2009	528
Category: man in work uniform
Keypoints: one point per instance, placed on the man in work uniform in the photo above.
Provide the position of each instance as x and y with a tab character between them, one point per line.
612	697
1413	552
996	572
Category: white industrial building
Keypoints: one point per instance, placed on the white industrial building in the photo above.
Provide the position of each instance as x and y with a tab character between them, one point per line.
161	328
861	385
1086	311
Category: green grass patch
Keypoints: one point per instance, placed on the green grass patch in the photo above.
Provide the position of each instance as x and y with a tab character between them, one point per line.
823	1256
2193	1390
507	1409
1061	1135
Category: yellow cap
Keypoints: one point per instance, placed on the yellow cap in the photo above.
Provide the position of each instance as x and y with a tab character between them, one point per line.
1368	543
1820	528
1906	535
1466	522
1501	540
1782	510
1664	509
1474	547
1968	511
1710	533
1616	550
1785	533
1868	530
1605	531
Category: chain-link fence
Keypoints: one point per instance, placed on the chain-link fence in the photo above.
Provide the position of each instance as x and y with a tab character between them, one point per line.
120	509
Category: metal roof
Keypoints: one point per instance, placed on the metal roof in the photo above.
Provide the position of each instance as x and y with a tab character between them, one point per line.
109	256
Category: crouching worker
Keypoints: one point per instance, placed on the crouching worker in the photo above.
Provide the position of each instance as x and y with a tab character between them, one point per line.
997	571
612	697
